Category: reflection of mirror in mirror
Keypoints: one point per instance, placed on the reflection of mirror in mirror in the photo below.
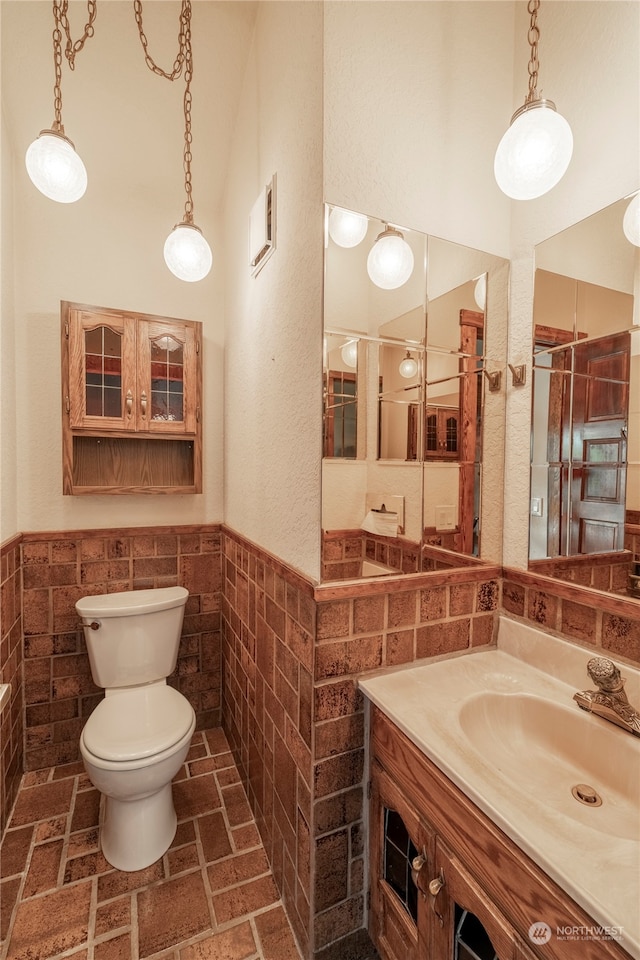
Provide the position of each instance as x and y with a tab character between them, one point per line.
403	423
585	474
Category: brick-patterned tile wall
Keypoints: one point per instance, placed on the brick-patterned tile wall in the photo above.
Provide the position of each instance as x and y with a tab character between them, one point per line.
372	626
578	613
268	635
295	719
344	550
58	569
11	721
608	572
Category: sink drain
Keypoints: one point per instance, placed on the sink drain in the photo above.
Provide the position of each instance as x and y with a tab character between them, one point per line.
586	794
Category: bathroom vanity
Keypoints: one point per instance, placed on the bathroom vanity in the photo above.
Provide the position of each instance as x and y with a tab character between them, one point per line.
476	842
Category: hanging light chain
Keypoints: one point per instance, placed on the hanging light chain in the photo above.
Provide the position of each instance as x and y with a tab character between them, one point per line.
178	63
60	23
72	48
57	63
184	59
533	37
188	75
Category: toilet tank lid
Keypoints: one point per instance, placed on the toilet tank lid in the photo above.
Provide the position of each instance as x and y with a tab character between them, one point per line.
131	602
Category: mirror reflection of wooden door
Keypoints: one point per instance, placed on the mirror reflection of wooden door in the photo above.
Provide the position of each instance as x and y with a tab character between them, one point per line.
471	344
598	455
340	415
586	442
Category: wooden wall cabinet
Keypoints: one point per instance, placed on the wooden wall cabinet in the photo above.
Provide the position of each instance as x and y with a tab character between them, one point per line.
131	395
442	433
463	889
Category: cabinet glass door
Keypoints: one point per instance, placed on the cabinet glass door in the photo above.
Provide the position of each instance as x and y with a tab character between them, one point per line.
168	389
101	371
468	926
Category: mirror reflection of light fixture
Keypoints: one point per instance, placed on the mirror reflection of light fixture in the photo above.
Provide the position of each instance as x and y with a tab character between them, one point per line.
408	367
535	151
186	252
631	221
480	292
390	260
52	163
346	228
349	353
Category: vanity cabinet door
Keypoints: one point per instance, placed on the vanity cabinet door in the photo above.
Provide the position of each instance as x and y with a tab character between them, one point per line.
402	857
102	371
168	394
467	925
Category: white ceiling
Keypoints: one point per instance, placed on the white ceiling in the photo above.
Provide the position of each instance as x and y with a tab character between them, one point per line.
127	123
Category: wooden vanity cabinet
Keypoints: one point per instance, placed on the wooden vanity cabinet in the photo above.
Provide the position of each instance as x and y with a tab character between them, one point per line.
131	393
470	875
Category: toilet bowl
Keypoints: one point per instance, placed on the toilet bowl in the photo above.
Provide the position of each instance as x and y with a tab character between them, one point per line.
136	739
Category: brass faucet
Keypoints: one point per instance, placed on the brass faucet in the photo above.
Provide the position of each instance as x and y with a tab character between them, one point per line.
609	700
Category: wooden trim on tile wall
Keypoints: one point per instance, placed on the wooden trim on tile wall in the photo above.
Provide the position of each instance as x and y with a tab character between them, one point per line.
158	530
293	576
399	583
11	544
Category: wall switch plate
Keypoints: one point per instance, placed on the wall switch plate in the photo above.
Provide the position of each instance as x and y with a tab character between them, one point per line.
537	506
444	518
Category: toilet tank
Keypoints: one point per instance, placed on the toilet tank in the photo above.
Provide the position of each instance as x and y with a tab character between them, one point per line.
133	637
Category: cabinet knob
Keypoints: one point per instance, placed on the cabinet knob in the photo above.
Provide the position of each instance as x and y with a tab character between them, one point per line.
417	864
129	403
437	884
143	403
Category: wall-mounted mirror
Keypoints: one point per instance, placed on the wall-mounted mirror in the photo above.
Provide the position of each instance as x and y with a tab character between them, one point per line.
406	405
585	473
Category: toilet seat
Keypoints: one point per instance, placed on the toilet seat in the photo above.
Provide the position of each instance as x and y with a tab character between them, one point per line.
138	723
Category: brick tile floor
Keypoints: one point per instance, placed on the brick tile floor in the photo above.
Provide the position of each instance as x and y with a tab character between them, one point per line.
211	897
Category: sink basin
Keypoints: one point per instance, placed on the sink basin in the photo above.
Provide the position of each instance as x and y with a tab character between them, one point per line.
545	749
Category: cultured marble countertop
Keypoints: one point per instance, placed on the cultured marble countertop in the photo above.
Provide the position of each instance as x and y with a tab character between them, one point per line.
599	869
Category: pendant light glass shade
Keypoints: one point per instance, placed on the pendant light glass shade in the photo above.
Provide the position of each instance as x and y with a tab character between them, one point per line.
346	228
534	153
350	353
480	292
631	221
408	367
390	260
187	253
55	168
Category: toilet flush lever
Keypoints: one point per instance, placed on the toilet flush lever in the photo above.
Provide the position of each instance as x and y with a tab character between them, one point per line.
94	625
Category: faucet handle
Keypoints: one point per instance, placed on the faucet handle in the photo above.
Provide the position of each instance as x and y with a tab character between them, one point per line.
605	674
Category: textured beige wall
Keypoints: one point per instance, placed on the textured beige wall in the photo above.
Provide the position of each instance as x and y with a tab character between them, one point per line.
273	366
8	419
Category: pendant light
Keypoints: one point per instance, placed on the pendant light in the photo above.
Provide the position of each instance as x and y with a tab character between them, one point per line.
390	260
535	151
52	163
349	353
631	221
186	252
408	367
346	228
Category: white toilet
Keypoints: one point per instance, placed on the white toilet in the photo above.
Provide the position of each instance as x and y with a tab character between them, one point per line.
136	739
